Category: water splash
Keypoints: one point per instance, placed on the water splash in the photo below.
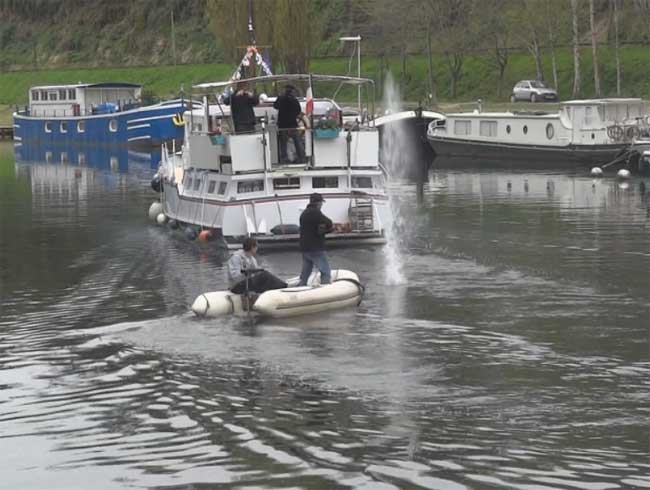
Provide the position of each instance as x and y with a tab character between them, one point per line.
392	158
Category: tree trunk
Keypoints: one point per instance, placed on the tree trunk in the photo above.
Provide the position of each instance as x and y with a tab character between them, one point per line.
594	48
535	51
576	49
616	46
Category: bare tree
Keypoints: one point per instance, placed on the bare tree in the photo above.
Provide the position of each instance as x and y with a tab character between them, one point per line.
494	26
576	49
616	48
594	47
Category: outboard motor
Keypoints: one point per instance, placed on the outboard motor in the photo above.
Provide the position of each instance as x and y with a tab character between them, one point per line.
156	183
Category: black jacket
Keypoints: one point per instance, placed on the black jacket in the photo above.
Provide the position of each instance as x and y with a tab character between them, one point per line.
241	107
288	111
313	226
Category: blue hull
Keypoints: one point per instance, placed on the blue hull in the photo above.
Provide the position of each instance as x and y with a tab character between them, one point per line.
145	126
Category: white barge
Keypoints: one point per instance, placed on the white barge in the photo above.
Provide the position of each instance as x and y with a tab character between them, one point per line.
582	132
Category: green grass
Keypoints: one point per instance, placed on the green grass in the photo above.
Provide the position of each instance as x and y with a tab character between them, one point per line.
479	78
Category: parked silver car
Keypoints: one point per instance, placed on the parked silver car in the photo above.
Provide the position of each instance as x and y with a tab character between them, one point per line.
533	91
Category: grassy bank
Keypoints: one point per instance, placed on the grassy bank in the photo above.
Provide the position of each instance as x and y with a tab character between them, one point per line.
479	78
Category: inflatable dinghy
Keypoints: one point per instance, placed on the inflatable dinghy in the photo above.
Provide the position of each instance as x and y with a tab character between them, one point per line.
345	290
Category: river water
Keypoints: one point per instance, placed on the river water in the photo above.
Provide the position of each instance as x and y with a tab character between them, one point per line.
514	354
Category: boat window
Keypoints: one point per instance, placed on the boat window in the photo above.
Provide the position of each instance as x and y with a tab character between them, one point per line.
222	188
81	127
63	127
488	128
62	94
588	115
48	127
361	182
211	186
197	183
52	96
525	129
324	182
286	183
550	131
508	129
462	127
34	94
250	186
72	94
43	95
112	125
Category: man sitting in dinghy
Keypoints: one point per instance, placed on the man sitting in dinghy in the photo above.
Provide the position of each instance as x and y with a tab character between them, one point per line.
244	259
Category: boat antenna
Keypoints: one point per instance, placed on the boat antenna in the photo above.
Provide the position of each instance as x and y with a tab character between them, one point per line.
251	26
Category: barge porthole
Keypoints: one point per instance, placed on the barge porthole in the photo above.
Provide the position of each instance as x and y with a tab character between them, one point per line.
48	127
508	129
81	127
525	129
112	125
550	131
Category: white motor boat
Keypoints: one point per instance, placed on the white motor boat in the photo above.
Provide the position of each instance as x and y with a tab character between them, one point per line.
344	290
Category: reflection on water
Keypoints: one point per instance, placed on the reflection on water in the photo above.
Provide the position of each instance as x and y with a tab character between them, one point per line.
515	356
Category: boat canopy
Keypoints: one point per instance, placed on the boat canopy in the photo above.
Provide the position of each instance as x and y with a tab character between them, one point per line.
207	88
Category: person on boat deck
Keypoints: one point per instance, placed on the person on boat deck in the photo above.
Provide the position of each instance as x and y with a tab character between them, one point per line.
289	111
313	227
242	103
258	282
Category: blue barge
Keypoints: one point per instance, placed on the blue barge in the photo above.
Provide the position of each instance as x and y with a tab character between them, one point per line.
97	114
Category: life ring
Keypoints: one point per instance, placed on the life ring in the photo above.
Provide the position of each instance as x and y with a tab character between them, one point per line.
615	132
632	132
178	120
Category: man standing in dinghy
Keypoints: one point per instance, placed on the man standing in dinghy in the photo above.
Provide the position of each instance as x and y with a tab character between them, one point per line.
244	259
313	227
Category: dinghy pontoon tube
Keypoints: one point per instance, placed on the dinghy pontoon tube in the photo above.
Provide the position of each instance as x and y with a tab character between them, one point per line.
345	290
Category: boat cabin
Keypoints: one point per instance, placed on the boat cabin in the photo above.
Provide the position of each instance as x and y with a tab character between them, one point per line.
331	143
82	99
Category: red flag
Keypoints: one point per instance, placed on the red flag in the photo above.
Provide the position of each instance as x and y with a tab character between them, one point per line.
309	106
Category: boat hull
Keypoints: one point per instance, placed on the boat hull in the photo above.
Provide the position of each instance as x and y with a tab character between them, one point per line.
474	152
344	291
237	219
145	126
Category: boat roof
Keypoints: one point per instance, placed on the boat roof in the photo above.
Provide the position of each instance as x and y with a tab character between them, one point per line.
87	85
399	116
612	100
289	77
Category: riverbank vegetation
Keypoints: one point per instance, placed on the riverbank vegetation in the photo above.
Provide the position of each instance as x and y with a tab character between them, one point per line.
438	51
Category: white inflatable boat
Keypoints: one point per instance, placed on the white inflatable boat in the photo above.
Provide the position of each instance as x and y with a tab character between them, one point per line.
345	290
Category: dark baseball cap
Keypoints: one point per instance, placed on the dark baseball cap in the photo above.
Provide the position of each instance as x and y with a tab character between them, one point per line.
315	197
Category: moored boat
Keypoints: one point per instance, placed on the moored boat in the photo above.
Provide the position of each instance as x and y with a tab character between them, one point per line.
345	290
97	114
582	132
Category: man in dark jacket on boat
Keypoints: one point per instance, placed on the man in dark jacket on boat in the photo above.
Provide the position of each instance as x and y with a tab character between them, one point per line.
289	111
313	227
241	105
242	263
